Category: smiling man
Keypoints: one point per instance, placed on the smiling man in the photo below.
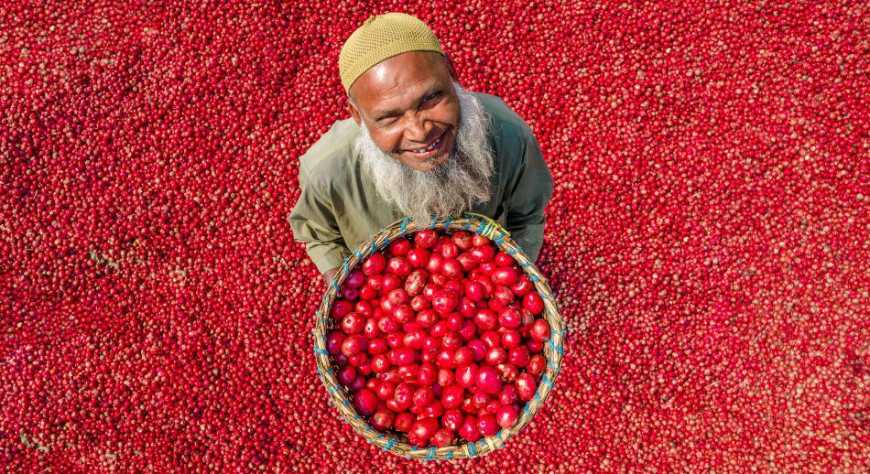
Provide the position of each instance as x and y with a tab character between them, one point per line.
417	144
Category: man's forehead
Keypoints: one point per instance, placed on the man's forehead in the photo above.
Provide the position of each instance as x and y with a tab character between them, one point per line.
408	74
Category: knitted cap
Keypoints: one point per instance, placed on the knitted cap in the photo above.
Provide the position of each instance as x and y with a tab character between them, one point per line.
381	37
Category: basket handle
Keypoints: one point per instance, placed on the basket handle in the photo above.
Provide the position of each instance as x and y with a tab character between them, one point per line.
495	225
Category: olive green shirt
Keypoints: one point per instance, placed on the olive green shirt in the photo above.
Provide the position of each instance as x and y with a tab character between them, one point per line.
339	208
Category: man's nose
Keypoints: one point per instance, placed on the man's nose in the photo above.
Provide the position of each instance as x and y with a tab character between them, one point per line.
416	129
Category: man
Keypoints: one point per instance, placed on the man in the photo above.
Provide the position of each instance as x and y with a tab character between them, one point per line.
416	145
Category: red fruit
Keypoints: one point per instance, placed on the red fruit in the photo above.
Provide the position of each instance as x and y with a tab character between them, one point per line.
535	346
510	338
382	420
508	395
420	303
486	319
400	247
403	356
347	375
422	430
445	358
368	293
355	279
468	331
503	260
452	419
445	377
506	416
403	396
387	325
526	386
478	240
385	389
433	410
399	266
442	438
523	286
391	282
537	364
352	324
487	425
540	330
423	396
467	308
380	363
510	318
451	268
463	239
518	356
349	294
463	357
427	318
469	429
504	276
358	360
533	302
475	291
466	376
403	313
374	265
491	339
418	258
495	355
444	302
451	341
454	321
415	282
365	402
467	261
433	266
478	347
354	345
483	254
502	295
341	308
488	380
427	374
425	239
333	341
452	396
507	372
403	422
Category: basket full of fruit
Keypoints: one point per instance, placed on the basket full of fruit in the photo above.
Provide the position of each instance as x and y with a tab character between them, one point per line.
439	340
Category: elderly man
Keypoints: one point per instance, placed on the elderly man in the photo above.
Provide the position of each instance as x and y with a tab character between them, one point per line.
417	144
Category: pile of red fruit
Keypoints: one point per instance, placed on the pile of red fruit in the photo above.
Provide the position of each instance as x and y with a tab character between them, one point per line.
439	336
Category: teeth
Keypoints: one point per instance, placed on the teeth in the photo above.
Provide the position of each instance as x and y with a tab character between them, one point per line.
430	147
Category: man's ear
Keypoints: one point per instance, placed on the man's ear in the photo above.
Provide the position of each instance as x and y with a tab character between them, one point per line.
352	110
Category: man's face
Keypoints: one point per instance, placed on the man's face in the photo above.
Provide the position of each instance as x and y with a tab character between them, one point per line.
410	108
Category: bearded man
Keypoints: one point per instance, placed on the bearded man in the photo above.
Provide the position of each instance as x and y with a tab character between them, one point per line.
417	144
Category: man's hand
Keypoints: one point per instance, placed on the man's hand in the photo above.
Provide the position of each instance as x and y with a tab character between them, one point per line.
329	275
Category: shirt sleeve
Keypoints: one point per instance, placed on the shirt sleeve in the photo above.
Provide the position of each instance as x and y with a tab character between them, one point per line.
313	223
526	198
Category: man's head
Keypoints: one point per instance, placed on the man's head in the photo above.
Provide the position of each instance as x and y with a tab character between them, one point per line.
423	138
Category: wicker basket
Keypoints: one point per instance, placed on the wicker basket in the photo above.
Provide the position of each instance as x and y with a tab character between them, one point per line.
553	349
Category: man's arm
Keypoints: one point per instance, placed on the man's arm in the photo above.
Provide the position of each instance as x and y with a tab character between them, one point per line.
527	198
313	222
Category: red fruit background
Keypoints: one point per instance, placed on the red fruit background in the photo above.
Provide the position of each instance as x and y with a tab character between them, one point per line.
707	238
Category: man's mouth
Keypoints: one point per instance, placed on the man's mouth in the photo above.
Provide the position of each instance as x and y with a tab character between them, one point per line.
430	150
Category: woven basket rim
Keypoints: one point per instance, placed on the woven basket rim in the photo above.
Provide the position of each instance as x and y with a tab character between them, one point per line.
553	348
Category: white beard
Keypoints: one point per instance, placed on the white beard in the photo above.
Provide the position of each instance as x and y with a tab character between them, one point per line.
449	189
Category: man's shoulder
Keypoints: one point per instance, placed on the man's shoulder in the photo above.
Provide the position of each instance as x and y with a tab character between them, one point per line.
329	157
507	123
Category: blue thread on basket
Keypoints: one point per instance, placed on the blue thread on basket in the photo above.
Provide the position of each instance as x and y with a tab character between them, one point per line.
403	226
335	284
431	454
537	397
386	241
320	351
511	251
526	410
449	455
545	380
390	443
534	278
472	449
434	220
499	238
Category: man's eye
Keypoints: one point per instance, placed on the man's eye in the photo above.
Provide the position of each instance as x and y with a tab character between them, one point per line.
431	97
